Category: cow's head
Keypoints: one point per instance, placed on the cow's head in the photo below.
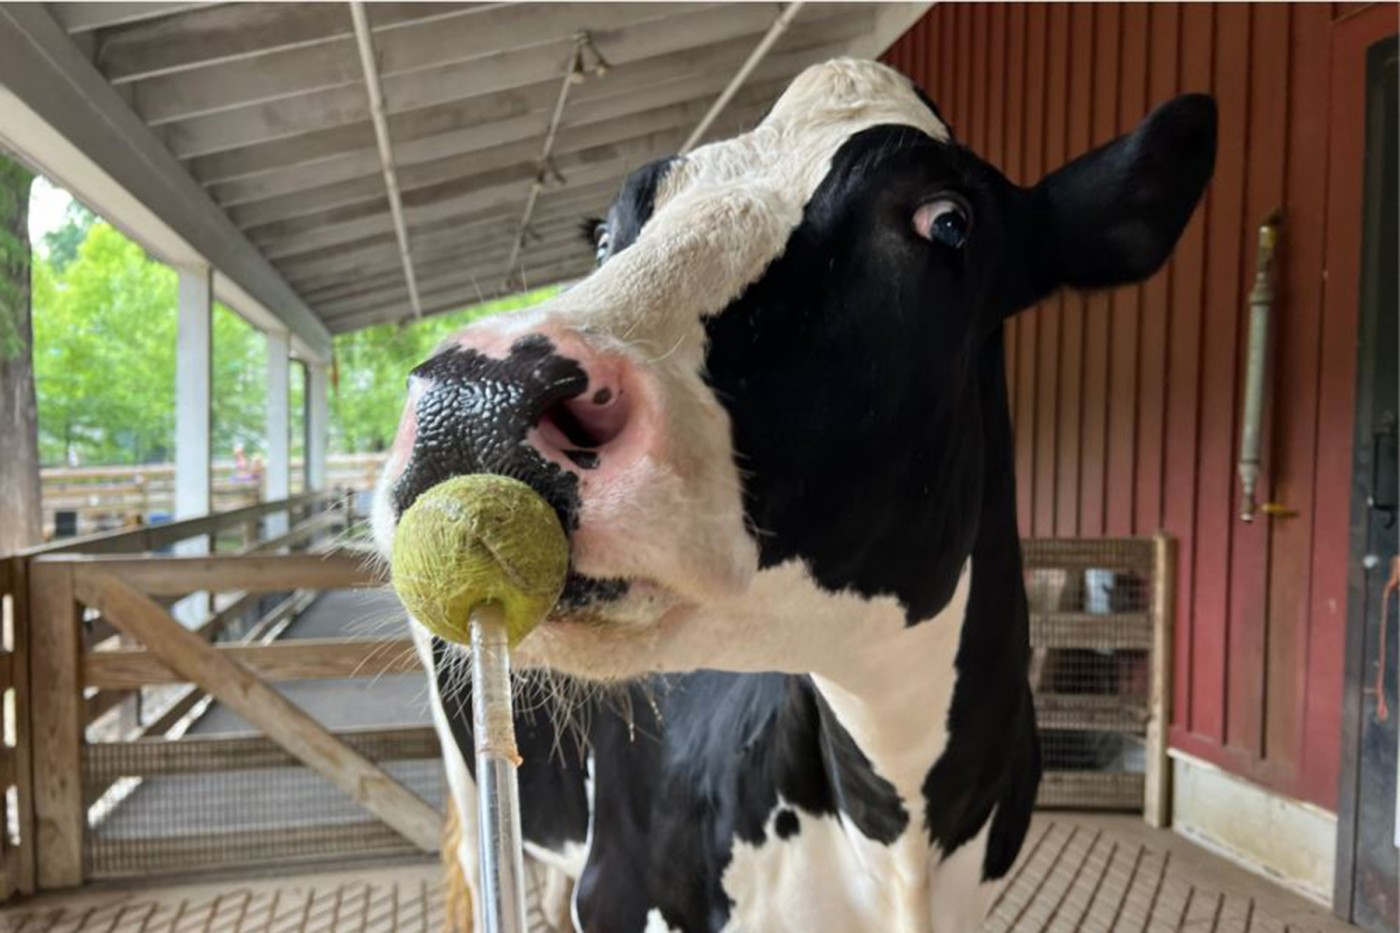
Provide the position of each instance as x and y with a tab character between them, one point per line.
779	397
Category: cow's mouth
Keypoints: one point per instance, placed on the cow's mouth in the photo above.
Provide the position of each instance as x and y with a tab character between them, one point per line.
582	593
613	603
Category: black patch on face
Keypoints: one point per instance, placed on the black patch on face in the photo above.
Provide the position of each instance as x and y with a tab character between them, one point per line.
473	418
786	824
871	333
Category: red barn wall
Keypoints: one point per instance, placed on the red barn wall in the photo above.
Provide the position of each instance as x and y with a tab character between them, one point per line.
1125	403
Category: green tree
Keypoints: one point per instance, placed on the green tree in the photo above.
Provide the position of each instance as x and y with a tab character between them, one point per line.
105	354
104	360
61	245
105	334
374	363
240	385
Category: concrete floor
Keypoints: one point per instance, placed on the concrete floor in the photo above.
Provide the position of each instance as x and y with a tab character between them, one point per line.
1077	873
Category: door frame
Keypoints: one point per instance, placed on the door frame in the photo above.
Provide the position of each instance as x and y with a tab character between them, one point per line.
1352	38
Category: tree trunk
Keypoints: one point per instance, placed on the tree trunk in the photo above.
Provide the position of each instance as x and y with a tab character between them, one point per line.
21	514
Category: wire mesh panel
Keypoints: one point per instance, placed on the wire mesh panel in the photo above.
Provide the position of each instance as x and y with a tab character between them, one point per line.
162	806
1094	620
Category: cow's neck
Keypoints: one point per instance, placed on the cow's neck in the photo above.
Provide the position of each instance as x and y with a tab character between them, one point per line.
889	684
902	691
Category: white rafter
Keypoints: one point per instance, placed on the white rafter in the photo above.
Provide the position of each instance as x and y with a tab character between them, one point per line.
365	40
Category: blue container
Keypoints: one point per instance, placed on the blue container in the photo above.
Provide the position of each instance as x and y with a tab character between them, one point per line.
161	518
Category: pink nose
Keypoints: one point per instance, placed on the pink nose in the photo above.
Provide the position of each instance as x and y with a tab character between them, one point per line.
592	426
586	409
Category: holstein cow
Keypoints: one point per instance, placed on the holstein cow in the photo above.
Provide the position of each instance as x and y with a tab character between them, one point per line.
774	423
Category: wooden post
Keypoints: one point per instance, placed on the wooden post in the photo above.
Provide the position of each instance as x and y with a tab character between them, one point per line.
1157	791
56	725
280	720
277	476
193	393
22	865
317	425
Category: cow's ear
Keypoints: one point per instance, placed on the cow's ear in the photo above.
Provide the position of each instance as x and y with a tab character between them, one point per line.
1113	215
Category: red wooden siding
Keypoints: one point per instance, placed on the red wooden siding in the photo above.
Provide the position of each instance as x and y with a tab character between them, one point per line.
1125	404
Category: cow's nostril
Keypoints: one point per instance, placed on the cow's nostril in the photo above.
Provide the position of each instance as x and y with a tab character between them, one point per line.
589	423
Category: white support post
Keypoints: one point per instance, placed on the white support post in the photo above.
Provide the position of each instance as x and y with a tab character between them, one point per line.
193	391
317	425
277	479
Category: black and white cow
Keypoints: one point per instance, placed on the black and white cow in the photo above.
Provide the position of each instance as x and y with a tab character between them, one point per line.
774	423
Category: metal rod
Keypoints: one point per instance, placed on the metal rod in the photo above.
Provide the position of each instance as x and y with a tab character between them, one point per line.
1261	299
499	840
573	74
365	40
774	33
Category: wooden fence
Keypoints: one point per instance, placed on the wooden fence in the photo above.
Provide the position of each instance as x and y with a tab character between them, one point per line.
104	498
87	624
95	637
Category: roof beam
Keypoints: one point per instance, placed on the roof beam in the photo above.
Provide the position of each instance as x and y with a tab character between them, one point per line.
369	256
765	45
682	43
465	298
635	138
455	196
498	37
429	263
478	269
417	160
241	31
85	17
424	205
62	117
353	254
479	122
365	41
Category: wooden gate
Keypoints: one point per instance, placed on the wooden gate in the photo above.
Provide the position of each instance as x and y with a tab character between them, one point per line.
141	797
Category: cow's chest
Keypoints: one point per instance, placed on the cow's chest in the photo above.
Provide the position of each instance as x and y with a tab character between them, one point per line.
822	873
750	808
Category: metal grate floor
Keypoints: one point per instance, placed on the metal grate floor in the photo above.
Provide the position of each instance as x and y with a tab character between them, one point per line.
1086	874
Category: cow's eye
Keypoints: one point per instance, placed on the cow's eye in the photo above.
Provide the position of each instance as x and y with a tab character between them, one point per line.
943	221
602	242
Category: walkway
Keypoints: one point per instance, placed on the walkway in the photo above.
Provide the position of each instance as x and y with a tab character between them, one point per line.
1078	873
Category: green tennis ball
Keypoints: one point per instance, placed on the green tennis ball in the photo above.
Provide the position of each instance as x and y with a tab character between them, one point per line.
475	541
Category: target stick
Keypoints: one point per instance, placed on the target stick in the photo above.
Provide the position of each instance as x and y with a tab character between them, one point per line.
481	560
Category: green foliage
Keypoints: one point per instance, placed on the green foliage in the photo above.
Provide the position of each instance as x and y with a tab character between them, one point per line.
62	244
374	364
104	354
104	361
240	385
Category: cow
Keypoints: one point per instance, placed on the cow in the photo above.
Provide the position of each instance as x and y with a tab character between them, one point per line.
785	687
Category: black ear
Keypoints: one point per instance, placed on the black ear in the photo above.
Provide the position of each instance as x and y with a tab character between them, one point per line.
1113	215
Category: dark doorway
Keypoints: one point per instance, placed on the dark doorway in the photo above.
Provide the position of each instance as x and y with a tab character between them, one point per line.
1367	890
